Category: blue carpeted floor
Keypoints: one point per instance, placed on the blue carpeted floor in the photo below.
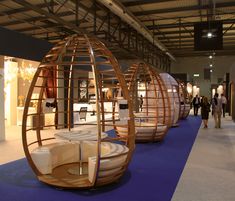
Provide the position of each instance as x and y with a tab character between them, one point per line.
152	176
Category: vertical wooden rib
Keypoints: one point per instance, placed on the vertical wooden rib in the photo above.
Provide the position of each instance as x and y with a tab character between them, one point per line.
97	82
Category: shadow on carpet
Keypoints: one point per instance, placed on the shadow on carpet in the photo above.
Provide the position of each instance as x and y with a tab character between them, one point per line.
152	175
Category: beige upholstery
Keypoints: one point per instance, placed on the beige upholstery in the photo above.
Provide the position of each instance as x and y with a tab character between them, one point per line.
107	149
146	129
149	130
50	156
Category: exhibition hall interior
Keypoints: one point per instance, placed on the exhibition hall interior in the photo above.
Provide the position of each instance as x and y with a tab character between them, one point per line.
117	100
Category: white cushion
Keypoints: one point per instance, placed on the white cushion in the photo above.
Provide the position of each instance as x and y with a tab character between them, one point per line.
49	156
109	149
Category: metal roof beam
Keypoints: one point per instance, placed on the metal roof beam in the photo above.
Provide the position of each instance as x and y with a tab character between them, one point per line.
185	32
185	24
183	17
46	26
174	37
50	15
174	32
24	9
181	9
34	19
144	2
121	11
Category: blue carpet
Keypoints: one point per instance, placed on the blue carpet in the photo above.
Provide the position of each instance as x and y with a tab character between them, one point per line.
152	176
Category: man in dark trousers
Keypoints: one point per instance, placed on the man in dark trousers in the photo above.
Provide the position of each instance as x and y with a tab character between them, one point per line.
196	104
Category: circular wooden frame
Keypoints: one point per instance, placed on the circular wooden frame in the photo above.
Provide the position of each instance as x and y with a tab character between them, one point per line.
184	100
150	101
74	66
173	93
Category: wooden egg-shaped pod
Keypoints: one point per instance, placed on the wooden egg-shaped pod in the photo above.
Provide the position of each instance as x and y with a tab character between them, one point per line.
173	93
150	100
74	97
184	100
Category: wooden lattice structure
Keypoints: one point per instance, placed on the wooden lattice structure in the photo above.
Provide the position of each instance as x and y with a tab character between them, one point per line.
79	77
184	100
150	101
173	93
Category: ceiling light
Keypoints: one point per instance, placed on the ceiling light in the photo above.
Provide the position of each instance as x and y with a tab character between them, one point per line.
209	35
195	75
211	65
211	70
210	57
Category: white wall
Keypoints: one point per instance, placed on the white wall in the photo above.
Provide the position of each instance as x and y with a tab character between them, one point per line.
232	80
191	65
232	72
2	121
11	91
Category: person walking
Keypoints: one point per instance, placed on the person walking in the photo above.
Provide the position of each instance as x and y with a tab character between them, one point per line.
205	109
217	110
196	104
224	103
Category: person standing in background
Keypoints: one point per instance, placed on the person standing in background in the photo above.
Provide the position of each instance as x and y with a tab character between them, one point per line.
224	103
141	103
217	110
196	104
205	109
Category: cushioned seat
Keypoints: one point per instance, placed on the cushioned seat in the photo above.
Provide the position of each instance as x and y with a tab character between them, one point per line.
47	157
113	156
145	131
116	154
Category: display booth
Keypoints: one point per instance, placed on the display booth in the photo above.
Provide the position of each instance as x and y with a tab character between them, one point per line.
72	148
196	91
173	93
184	100
150	101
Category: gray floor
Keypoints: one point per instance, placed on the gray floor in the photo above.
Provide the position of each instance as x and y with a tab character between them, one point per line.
209	174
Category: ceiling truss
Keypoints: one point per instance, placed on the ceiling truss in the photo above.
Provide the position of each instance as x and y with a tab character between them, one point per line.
170	21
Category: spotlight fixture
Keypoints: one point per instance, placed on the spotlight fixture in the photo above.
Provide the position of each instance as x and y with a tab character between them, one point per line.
211	70
210	57
211	65
209	35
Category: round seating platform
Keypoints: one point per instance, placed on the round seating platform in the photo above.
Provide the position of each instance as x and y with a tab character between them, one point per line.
146	132
54	160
